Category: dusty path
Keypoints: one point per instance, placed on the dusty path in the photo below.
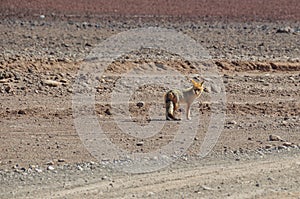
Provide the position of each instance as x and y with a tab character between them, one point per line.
270	176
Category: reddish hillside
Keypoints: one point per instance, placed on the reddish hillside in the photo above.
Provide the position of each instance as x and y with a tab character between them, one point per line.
226	9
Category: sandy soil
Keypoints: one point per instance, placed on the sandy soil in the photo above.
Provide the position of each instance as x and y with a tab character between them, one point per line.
256	57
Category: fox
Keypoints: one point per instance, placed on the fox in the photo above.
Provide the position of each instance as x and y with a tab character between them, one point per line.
173	99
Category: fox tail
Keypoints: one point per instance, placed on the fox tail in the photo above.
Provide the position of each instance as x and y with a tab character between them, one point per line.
170	100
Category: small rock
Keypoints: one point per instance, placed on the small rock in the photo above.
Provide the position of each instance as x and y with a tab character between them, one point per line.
292	78
107	111
233	122
140	144
50	168
51	83
207	188
50	163
285	30
275	138
207	90
23	169
140	104
79	168
270	179
38	170
15	166
281	147
260	153
268	146
92	163
8	88
21	112
64	81
150	193
4	80
61	160
287	144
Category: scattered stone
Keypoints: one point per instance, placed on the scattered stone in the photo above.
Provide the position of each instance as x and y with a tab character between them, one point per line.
88	45
50	168
285	30
206	188
260	153
107	111
51	83
268	146
4	80
92	163
79	168
15	166
287	144
207	90
38	170
150	193
50	163
281	147
61	160
64	81
22	169
21	112
140	143
140	104
292	78
8	88
275	138
233	122
270	179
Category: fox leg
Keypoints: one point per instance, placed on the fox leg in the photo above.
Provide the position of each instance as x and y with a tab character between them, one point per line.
188	112
170	111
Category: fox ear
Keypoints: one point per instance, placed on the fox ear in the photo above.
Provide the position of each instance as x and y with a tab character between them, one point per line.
194	82
201	84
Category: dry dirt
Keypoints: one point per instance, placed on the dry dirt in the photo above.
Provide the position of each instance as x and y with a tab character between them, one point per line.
254	49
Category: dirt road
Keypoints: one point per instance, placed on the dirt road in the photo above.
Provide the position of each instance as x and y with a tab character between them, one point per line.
272	176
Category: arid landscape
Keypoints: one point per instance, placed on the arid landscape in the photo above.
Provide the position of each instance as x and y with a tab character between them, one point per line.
253	66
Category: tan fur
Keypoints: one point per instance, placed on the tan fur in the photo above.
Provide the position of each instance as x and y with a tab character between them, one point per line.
173	98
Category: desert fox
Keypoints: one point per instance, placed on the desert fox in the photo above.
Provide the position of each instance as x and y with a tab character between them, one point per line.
174	97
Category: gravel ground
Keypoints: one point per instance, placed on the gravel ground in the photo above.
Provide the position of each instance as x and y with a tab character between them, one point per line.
44	46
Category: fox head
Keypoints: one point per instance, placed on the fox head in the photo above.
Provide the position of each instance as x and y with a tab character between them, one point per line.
197	87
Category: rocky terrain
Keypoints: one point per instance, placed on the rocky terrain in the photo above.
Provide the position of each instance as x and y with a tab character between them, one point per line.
254	54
